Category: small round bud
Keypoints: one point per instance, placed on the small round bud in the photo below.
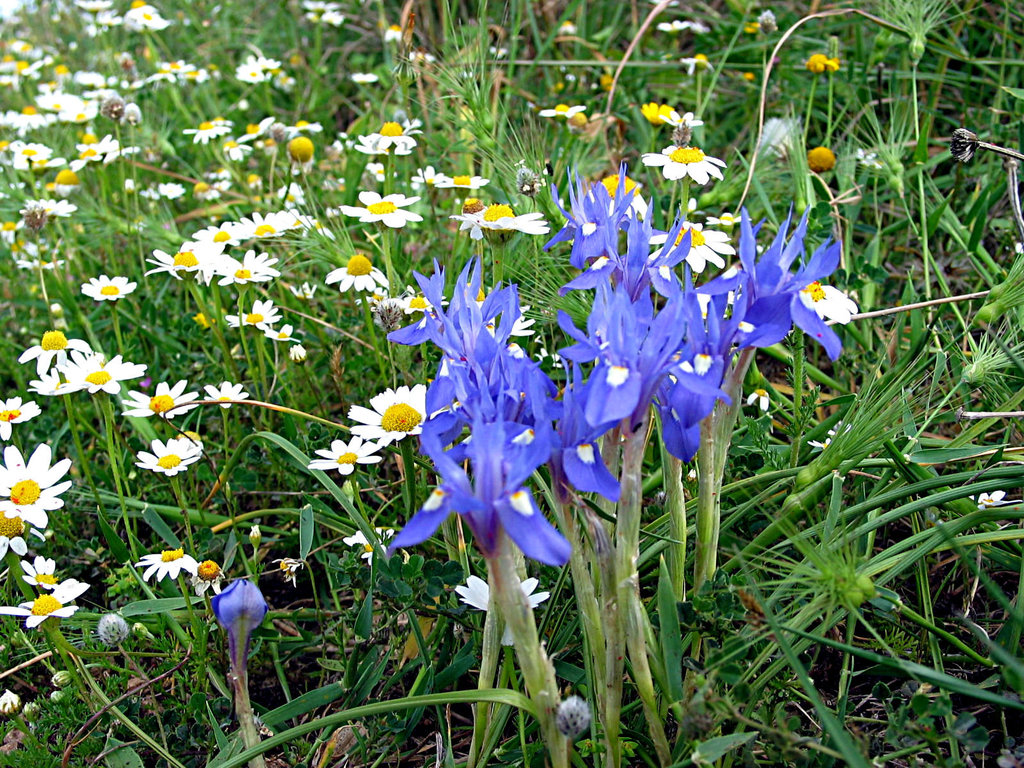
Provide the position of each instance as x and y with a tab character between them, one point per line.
300	149
31	711
56	310
132	114
10	703
255	536
139	630
297	353
62	679
57	696
573	718
112	629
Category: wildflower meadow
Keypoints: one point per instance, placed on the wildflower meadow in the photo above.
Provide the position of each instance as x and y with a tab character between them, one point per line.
539	383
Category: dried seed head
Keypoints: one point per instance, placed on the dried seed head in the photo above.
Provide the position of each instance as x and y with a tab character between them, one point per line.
681	135
963	144
112	107
768	22
35	215
388	314
111	629
573	718
528	181
279	133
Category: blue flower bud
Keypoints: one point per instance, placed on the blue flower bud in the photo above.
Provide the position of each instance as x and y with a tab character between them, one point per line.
240	609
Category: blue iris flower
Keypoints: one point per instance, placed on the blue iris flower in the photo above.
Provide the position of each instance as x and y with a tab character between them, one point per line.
593	219
240	609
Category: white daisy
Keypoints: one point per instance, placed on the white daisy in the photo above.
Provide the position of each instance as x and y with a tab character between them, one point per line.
679	162
167	402
759	396
40	572
830	303
396	414
251	268
208	129
208	576
343	456
95	374
993	499
359	274
387	209
477	593
284	333
192	258
105	288
226	391
562	110
461	182
706	246
51	605
31	489
271	225
167	565
171	457
12	532
14	410
263	315
500	218
358	539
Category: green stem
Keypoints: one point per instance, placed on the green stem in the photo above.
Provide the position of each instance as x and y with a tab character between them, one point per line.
115	467
409	471
83	462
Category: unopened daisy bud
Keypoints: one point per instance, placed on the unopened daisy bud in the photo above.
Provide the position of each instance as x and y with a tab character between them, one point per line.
139	630
279	132
301	149
112	629
528	182
56	310
132	114
388	314
31	711
963	144
112	107
297	353
62	679
67	181
57	696
821	159
10	703
768	22
129	185
255	537
573	718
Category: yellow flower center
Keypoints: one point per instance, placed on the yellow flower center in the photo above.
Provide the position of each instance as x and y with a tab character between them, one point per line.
53	341
382	207
44	605
417	302
498	211
170	461
264	229
109	290
11	526
359	265
686	155
170	555
252	129
611	183
696	237
400	418
301	149
821	159
98	378
253	318
10	415
29	152
815	291
561	108
26	492
347	458
206	125
161	403
391	129
185	259
87	153
46	578
221	237
9	226
243	274
27	110
208	571
462	181
200	188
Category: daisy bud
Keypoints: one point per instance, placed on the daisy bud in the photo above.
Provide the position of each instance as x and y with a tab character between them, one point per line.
62	679
112	107
139	630
963	144
10	703
56	310
279	133
297	354
132	114
111	629
300	149
57	696
573	718
255	537
31	711
768	22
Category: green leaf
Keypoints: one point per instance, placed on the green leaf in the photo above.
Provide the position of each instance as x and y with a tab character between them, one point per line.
160	527
712	749
1017	93
307	702
364	621
305	531
116	544
159	605
945	455
671	634
119	755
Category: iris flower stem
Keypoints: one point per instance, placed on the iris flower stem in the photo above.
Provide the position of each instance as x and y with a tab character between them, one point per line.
798	395
538	671
630	630
490	653
246	722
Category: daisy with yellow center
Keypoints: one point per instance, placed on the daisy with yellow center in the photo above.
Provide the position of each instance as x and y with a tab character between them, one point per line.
31	489
170	458
759	396
563	111
359	275
192	258
263	315
53	605
251	268
225	392
393	415
388	210
14	410
359	540
209	129
828	302
167	564
167	402
681	162
461	182
500	220
289	568
105	288
40	572
392	138
12	532
343	457
706	246
208	576
94	373
52	348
